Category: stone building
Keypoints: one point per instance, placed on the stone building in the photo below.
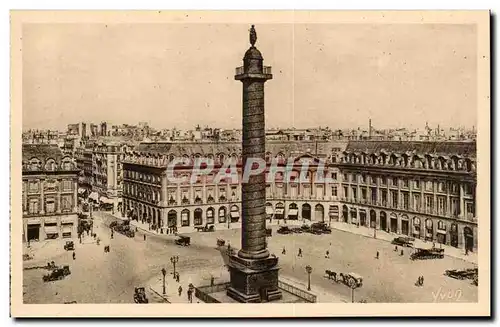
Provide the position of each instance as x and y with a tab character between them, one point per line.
425	190
148	195
49	193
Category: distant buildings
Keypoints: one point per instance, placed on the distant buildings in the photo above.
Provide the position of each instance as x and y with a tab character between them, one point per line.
49	193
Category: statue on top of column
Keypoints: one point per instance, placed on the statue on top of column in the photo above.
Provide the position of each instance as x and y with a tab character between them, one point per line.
253	36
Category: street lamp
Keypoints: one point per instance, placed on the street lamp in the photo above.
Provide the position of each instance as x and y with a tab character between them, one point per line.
164	272
309	271
174	260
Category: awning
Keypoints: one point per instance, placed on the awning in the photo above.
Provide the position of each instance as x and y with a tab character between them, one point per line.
94	196
104	199
51	230
293	212
235	214
269	210
279	211
439	231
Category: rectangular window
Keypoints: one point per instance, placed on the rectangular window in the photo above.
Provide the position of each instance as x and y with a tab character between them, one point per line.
454	188
383	181
470	210
394	181
334	176
363	194
33	186
50	205
383	195
455	207
394	199
416	202
428	185
354	195
362	179
406	200
416	184
428	203
66	203
33	206
441	205
374	195
334	190
468	189
67	185
346	192
405	183
346	178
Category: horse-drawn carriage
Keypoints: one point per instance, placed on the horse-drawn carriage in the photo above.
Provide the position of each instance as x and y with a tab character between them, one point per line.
140	295
221	242
432	253
57	274
352	280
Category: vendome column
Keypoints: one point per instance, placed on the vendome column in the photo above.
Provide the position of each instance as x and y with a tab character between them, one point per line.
254	274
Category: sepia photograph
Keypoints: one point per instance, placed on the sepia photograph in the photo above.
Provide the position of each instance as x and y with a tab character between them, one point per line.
250	164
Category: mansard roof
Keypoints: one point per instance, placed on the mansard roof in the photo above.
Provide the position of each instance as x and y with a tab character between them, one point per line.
422	148
42	152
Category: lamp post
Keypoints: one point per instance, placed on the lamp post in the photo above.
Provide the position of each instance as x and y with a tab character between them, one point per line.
309	271
174	260
164	272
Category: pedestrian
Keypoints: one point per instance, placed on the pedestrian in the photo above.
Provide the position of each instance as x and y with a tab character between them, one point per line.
396	248
466	251
180	290
144	237
401	252
284	251
74	255
377	254
300	253
327	255
422	281
212	281
189	292
178	277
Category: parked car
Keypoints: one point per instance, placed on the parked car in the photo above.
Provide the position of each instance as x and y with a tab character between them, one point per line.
432	253
403	241
321	228
284	230
69	246
57	274
140	295
206	228
183	240
462	274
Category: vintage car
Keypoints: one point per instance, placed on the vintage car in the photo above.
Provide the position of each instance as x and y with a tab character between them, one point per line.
403	241
320	228
284	230
206	228
57	274
140	295
125	229
113	224
432	253
183	240
352	280
69	246
462	274
221	242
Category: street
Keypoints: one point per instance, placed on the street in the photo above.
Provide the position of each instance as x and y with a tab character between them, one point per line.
98	277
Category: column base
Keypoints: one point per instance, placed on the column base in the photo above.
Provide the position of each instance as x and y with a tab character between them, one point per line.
254	280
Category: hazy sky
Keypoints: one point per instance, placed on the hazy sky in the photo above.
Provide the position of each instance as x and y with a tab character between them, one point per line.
183	74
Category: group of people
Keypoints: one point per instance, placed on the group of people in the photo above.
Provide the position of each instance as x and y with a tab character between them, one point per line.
420	281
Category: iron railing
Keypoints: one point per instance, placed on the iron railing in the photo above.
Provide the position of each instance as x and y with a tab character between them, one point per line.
308	297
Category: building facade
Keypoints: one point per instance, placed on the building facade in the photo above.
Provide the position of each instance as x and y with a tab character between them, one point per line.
49	193
425	190
419	189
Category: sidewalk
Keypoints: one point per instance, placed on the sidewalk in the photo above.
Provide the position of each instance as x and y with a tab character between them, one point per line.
382	235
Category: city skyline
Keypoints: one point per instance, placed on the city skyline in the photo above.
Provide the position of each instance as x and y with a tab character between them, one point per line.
137	69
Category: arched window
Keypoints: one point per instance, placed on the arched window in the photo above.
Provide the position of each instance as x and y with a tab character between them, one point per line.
50	165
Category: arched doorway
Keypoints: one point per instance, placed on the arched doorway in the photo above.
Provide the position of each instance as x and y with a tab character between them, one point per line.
306	211
429	232
454	235
373	219
362	217
172	218
210	215
345	213
198	217
279	213
269	211
416	227
405	225
185	218
319	213
235	214
354	216
468	239
222	215
394	223
383	221
293	211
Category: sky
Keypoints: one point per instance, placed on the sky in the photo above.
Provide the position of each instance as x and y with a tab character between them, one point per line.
181	75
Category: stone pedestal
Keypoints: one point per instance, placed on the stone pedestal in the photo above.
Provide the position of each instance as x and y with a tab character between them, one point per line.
254	281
